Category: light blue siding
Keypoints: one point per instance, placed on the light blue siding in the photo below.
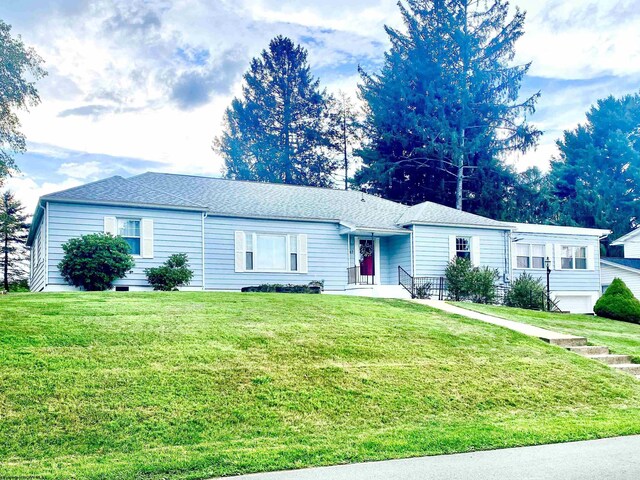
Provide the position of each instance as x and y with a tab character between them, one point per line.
174	232
38	256
564	280
432	248
398	253
326	248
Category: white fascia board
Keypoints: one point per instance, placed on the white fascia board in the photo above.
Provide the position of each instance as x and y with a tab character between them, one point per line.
559	230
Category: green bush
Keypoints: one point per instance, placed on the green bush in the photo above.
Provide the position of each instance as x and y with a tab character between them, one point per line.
526	292
458	274
618	303
93	262
174	273
313	287
482	285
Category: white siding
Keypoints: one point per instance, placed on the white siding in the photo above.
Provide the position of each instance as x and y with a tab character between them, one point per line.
632	248
631	279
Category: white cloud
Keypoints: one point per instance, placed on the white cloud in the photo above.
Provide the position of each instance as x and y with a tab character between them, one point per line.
83	171
27	190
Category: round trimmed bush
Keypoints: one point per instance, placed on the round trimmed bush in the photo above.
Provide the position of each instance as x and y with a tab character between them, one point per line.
618	303
93	262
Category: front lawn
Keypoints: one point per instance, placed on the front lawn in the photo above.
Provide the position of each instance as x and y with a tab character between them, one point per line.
195	385
620	337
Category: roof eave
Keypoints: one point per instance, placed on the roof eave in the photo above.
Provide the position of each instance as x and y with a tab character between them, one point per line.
622	267
449	224
160	206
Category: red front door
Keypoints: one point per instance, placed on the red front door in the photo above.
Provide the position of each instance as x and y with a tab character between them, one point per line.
367	265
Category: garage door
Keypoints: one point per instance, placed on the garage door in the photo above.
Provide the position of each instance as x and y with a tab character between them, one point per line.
575	303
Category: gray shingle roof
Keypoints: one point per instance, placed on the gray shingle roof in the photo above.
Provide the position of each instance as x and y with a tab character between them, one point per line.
120	190
266	200
625	262
269	200
434	213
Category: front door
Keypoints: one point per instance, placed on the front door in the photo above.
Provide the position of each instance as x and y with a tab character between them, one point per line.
368	259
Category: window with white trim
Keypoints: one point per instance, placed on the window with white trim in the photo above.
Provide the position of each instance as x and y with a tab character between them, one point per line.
573	258
530	256
271	252
463	247
129	230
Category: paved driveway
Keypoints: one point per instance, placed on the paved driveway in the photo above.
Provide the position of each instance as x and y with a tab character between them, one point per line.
608	459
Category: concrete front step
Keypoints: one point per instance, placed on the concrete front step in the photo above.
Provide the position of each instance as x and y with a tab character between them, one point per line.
612	359
589	350
632	368
567	341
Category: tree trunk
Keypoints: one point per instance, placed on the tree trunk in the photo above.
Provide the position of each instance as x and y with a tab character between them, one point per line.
6	263
344	145
463	108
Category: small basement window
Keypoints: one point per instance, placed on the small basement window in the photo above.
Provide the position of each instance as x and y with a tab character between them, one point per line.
122	289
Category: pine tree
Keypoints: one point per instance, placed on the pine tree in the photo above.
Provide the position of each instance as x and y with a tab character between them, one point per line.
281	130
349	131
596	178
14	230
446	102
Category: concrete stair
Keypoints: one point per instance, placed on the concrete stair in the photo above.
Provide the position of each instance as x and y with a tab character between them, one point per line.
601	354
567	342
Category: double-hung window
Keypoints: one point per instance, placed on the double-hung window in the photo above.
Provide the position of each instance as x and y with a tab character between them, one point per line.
271	252
530	255
463	247
573	258
129	229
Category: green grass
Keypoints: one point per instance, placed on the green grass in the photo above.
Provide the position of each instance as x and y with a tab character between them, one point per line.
195	385
620	337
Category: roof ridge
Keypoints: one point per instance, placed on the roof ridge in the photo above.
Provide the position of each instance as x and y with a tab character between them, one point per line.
256	182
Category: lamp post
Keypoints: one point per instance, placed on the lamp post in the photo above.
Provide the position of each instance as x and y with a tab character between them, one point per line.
547	263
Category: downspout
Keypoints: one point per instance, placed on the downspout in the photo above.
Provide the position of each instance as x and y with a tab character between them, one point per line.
46	245
204	215
507	258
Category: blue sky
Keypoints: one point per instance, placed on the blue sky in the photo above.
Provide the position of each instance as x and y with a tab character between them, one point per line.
138	85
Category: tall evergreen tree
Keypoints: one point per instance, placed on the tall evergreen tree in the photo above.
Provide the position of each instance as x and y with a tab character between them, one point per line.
281	130
20	67
445	105
14	230
349	131
596	178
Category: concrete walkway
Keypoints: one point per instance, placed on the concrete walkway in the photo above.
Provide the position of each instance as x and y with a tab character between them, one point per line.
541	333
613	458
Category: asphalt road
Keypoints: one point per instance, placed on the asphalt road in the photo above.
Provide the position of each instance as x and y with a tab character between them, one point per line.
608	459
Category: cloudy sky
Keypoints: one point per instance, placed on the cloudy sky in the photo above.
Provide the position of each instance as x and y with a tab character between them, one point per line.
137	85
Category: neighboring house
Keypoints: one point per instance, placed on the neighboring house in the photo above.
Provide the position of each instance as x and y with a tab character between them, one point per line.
239	234
627	268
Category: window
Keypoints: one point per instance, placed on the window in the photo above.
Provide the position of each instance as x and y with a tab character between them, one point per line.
574	258
249	252
463	247
530	256
267	252
293	252
129	229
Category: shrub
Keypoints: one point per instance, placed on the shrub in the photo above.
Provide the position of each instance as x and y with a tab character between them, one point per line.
526	292
313	287
174	273
618	303
458	275
93	262
482	285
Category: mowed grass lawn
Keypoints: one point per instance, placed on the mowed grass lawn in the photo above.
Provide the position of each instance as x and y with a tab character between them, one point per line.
620	337
196	385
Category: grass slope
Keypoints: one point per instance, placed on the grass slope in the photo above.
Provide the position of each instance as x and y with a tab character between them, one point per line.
194	385
620	337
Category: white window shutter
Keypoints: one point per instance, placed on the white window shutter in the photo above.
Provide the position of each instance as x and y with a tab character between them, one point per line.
452	247
590	258
110	226
146	232
241	253
303	261
475	251
514	255
558	259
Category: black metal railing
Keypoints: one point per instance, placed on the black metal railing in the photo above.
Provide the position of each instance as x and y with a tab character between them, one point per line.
354	277
423	287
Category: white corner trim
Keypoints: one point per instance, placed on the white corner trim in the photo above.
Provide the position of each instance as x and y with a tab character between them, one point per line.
46	244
